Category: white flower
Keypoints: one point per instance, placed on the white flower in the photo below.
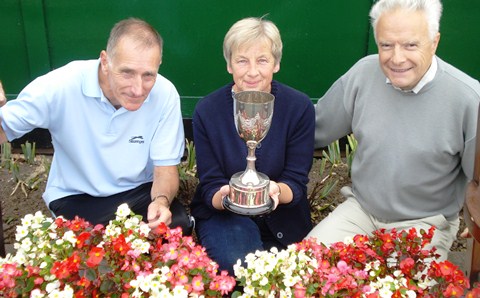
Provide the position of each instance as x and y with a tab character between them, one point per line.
69	236
140	245
348	240
110	231
67	292
27	220
131	222
123	211
22	231
52	286
52	235
144	229
264	281
36	294
411	294
179	292
144	283
26	244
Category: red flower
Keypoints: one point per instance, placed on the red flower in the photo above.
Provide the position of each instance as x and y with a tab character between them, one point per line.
82	238
78	224
120	245
453	291
407	265
60	270
95	256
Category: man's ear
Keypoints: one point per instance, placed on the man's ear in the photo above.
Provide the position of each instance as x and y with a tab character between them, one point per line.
104	60
436	40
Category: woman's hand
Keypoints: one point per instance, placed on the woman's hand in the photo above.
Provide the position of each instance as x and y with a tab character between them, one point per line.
217	200
274	192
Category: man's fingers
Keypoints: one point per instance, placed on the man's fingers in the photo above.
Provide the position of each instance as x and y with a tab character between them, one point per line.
3	98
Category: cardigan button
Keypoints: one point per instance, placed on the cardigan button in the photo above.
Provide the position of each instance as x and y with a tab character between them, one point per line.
279	235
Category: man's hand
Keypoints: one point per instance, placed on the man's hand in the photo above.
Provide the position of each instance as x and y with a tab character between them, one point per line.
465	234
158	212
3	98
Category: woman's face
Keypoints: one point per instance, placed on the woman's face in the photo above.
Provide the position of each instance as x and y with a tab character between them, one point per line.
252	67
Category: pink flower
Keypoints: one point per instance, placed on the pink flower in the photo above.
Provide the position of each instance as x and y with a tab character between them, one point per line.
197	284
171	252
299	291
342	266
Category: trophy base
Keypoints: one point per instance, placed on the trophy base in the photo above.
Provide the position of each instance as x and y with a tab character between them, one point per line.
248	211
249	199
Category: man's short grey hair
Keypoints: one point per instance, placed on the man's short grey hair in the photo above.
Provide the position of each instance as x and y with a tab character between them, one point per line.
249	31
137	29
431	8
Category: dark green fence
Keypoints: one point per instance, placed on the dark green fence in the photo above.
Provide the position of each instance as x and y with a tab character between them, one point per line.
322	39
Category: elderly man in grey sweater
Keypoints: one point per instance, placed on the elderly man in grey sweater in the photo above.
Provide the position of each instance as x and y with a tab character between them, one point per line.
414	117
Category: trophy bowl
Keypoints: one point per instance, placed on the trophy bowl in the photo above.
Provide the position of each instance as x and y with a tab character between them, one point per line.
249	189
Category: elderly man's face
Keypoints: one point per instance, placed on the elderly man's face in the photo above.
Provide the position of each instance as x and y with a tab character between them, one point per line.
129	76
404	46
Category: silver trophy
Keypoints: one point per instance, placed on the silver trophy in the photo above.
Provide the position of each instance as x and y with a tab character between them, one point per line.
249	189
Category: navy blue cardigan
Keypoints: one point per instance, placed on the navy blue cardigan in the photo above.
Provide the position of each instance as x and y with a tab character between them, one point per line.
285	155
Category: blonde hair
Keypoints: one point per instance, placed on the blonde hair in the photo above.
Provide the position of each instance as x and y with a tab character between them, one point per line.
251	30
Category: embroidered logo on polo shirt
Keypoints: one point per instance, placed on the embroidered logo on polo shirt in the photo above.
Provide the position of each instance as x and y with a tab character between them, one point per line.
136	139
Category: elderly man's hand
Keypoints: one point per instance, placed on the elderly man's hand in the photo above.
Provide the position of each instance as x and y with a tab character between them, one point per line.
3	98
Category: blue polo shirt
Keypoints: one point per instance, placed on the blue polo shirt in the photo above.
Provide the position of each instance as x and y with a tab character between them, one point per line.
99	150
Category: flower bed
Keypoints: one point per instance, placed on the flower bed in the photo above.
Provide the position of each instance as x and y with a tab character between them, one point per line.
60	258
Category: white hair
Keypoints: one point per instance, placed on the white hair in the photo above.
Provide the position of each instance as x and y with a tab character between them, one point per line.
431	8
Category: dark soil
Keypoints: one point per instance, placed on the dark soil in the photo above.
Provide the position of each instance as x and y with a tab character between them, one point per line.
22	194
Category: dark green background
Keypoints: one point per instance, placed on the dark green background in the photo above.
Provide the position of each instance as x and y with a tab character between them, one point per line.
322	39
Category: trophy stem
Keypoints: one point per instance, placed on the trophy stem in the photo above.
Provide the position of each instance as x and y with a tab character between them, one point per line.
250	175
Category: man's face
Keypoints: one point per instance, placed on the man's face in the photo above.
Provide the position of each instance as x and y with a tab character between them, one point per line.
129	76
404	46
252	67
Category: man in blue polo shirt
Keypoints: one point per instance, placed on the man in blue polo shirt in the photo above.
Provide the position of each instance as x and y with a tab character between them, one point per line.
116	128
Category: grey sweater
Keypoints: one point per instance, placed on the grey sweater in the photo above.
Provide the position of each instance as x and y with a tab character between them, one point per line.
415	151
